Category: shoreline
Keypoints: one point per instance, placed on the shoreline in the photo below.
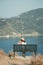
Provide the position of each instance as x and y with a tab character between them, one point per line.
20	35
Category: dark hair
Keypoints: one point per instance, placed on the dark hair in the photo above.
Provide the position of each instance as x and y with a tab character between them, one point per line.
22	40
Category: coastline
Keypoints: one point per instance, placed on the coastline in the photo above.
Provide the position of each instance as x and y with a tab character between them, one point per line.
20	35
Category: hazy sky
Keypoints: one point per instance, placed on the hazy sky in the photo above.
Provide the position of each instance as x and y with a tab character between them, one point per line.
10	8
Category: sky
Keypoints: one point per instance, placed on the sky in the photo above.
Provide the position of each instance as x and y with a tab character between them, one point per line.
11	8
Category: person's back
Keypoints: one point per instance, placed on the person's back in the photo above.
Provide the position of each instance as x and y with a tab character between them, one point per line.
22	41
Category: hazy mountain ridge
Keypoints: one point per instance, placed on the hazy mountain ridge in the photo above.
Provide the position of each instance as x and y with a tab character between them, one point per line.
27	23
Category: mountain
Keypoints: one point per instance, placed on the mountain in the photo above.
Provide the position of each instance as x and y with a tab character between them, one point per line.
26	23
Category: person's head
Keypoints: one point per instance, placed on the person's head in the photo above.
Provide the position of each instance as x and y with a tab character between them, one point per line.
22	39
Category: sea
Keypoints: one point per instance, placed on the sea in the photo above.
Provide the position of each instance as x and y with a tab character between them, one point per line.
6	44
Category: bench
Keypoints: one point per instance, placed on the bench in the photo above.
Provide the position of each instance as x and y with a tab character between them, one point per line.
25	48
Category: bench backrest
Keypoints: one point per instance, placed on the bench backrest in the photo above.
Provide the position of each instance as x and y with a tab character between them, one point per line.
27	47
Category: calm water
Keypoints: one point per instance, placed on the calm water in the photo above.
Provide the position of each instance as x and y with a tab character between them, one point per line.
7	44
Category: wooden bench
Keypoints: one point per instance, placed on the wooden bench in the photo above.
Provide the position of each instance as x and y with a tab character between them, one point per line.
25	48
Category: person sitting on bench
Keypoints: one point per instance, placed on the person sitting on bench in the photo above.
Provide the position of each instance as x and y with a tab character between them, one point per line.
22	42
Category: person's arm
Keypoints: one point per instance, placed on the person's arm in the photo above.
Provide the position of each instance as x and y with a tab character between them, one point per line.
25	43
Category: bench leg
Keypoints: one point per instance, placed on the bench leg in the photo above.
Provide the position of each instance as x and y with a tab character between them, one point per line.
14	54
23	54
